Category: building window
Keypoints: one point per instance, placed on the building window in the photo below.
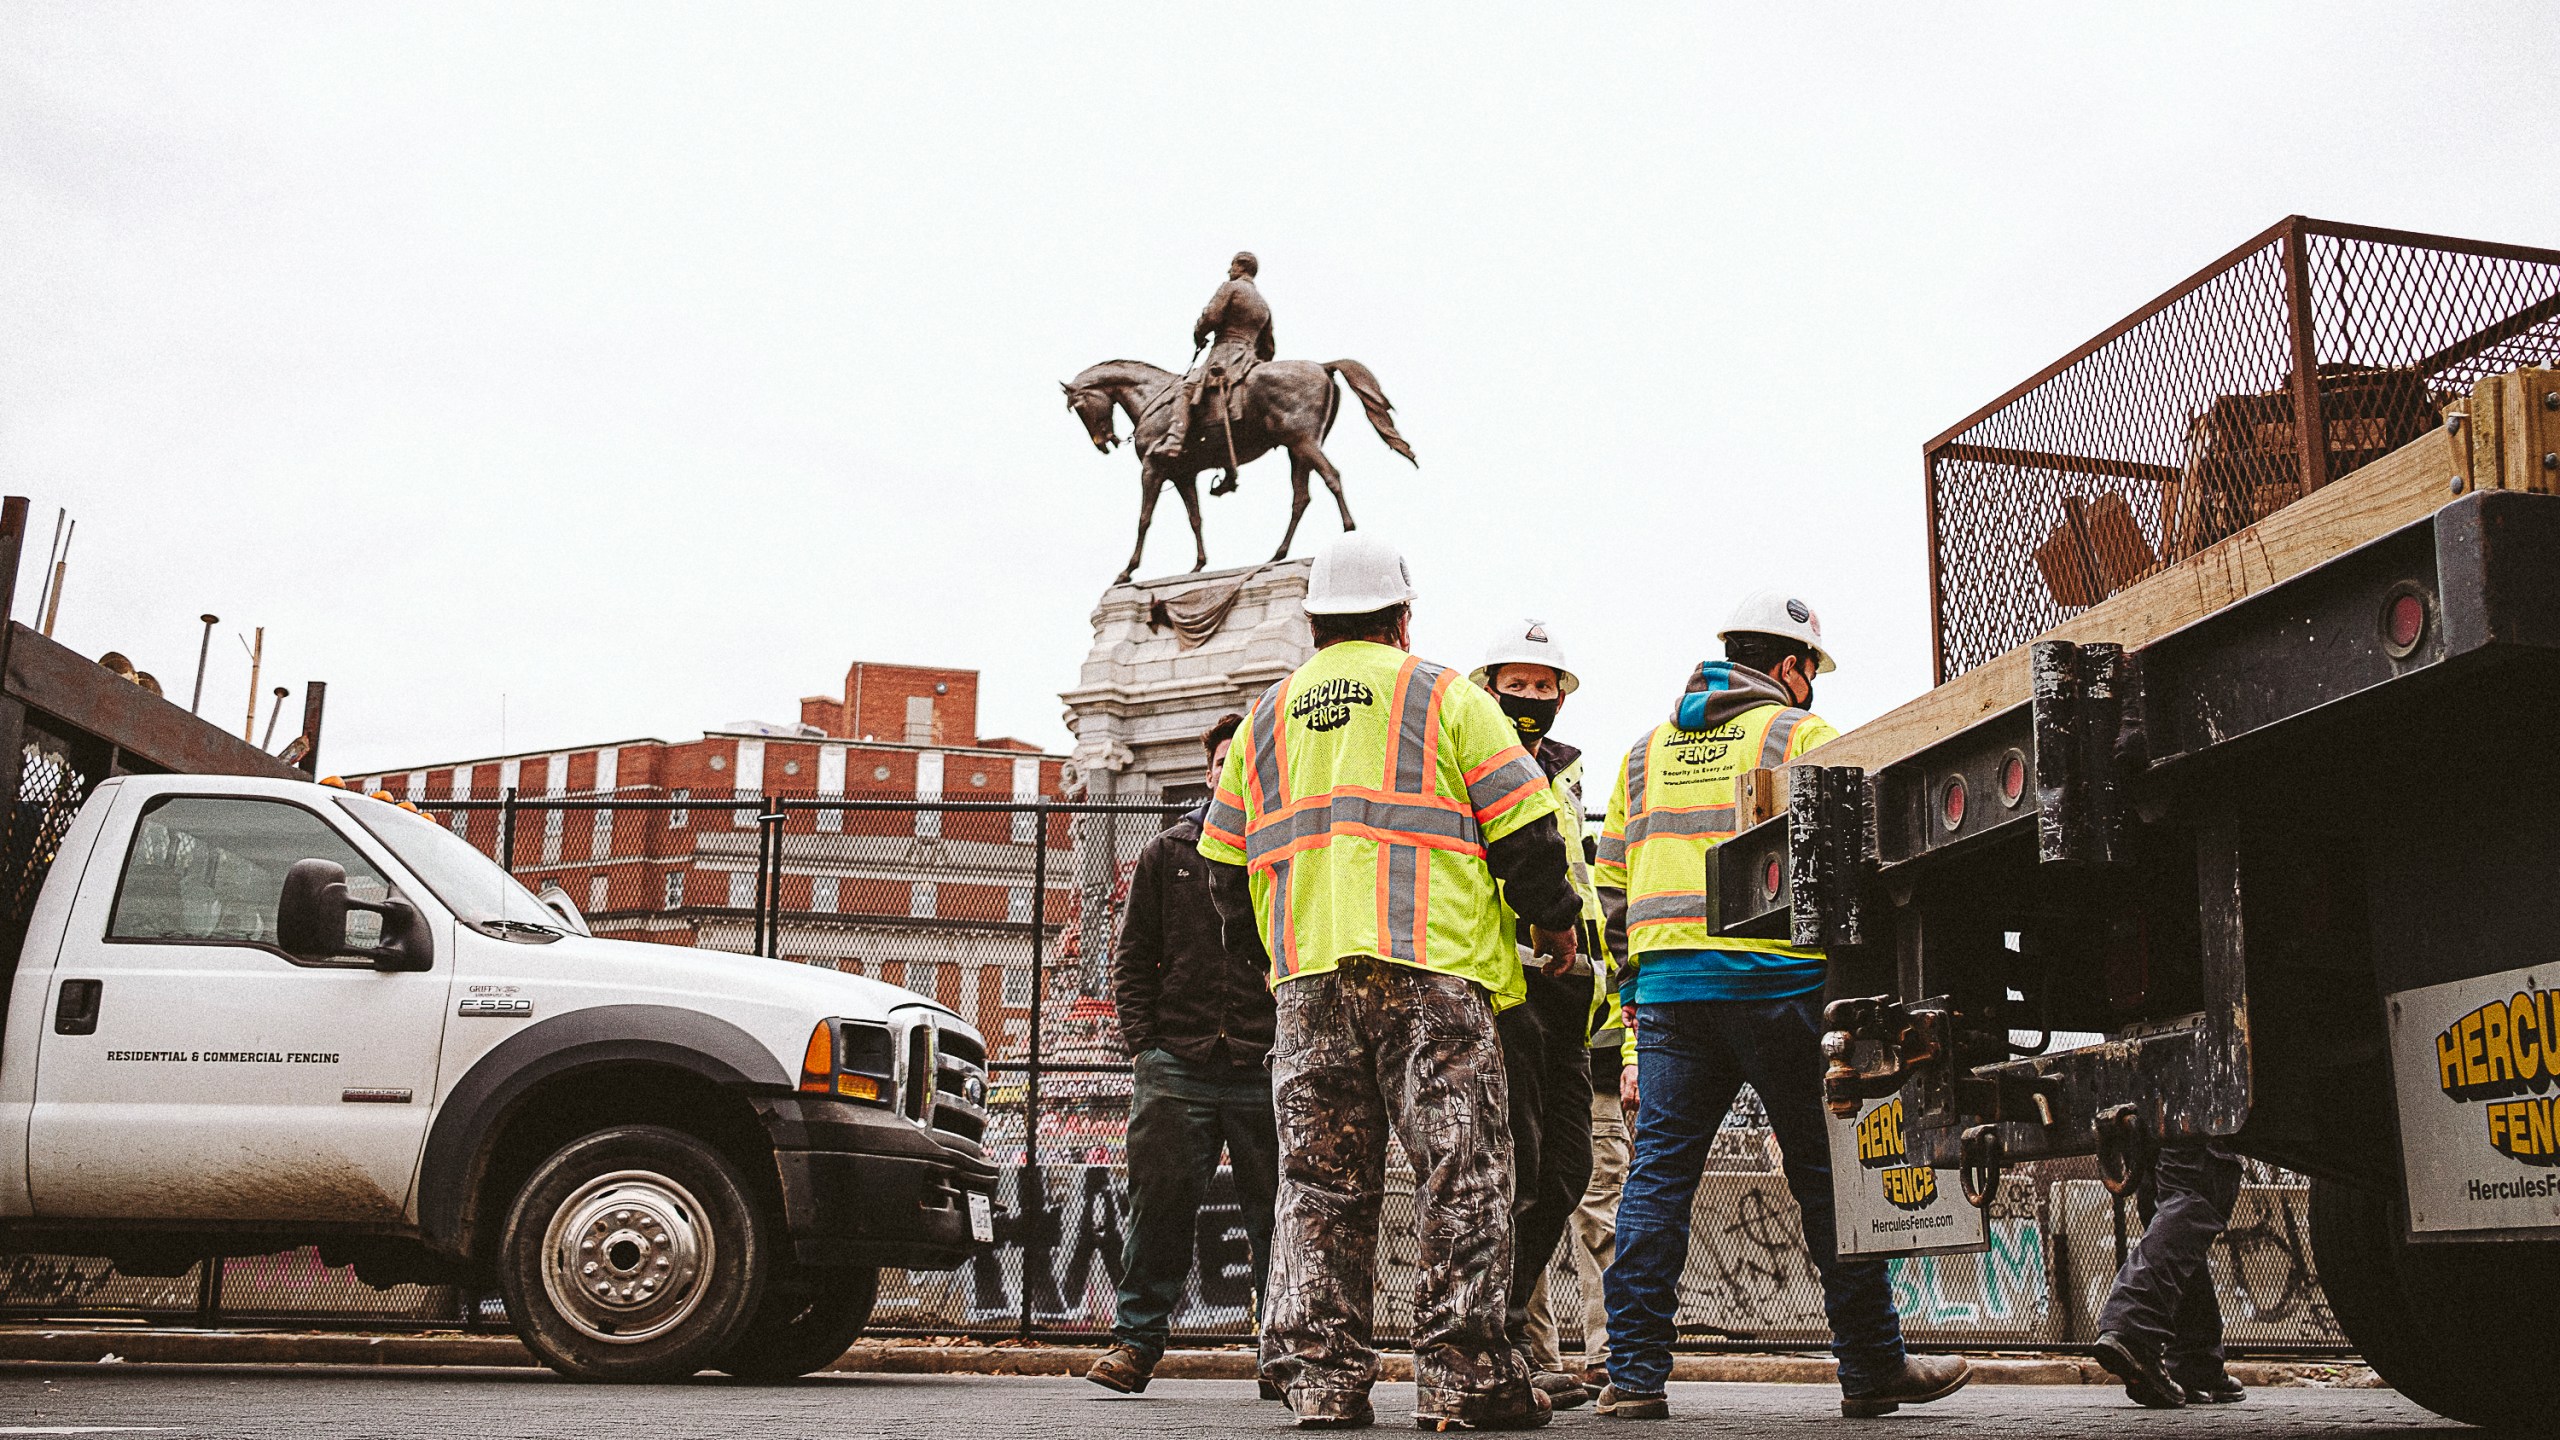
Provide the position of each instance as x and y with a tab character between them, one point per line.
1017	903
822	894
919	719
462	823
742	890
554	821
928	787
925	977
675	817
597	886
675	889
921	902
600	839
1017	987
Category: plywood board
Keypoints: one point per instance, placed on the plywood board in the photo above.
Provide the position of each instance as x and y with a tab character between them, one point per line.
2405	486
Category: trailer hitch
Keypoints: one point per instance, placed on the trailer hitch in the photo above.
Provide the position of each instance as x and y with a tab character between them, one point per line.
1876	1043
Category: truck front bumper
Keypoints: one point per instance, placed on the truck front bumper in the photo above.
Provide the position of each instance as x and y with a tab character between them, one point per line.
862	1186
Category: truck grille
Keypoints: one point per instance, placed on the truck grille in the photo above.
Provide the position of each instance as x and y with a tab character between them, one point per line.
945	1074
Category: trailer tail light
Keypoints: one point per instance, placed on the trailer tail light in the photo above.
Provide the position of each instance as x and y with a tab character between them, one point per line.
1951	803
1771	878
2404	622
2013	779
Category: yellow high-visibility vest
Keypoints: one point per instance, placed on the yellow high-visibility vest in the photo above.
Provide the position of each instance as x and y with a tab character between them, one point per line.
1567	786
1360	795
1675	799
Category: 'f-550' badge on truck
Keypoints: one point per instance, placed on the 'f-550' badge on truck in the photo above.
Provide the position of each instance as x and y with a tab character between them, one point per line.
2476	1064
497	1007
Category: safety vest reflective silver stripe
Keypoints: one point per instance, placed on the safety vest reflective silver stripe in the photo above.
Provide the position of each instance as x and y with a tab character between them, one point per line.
1417	685
1639	762
1780	734
1225	820
1398	900
1613	849
1283	953
1509	782
1350	812
1264	774
1660	909
1712	820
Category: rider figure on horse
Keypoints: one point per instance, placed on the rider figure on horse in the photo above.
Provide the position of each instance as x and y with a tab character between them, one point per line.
1240	321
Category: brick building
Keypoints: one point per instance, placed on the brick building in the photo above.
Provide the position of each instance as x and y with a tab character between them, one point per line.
938	901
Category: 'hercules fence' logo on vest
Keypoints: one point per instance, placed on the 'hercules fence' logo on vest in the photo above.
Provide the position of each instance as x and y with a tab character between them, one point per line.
1328	706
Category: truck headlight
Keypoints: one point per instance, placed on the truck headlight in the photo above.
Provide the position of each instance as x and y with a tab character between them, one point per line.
850	1059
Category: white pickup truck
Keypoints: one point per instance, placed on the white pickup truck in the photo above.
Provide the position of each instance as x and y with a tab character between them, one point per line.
252	1013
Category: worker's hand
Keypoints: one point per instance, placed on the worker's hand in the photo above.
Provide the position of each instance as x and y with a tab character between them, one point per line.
1627	1090
1559	946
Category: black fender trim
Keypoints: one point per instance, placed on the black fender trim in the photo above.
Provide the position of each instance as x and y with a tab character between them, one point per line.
457	1148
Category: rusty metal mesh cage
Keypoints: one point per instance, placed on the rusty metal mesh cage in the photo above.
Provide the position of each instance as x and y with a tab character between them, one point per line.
2178	427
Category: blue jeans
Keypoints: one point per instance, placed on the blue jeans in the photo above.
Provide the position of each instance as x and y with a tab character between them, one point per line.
1180	1116
1692	1057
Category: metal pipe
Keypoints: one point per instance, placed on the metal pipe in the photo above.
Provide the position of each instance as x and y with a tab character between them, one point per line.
52	552
204	652
275	713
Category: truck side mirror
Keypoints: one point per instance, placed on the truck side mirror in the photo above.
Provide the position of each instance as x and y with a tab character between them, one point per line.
311	920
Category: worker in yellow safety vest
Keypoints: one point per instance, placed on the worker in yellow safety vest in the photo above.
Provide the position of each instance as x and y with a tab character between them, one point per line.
1546	1038
1711	1014
1370	808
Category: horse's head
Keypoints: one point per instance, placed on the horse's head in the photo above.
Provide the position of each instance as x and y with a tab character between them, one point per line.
1093	407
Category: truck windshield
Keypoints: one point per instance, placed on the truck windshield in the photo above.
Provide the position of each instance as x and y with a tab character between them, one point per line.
468	882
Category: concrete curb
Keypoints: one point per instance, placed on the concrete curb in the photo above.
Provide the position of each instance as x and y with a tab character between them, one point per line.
62	1345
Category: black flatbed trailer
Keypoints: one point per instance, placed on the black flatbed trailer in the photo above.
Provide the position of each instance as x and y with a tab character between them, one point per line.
2232	852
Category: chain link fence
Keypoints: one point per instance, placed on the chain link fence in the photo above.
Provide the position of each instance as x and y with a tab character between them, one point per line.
2310	351
1004	911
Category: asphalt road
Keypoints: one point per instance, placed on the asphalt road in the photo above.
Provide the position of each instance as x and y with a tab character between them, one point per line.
181	1401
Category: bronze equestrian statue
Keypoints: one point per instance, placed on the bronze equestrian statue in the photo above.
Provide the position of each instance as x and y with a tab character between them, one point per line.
1258	405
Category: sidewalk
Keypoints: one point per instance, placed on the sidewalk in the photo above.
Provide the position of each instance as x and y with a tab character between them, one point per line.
156	1345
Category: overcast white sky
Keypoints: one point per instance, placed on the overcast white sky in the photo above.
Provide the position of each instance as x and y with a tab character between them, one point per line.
643	365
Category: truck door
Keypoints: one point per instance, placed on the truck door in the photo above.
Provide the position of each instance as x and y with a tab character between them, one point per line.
189	1069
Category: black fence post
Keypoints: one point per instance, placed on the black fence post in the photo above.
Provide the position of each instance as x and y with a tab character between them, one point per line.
769	910
507	830
1032	1201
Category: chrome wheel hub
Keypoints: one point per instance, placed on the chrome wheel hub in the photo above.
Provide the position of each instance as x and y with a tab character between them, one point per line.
626	1255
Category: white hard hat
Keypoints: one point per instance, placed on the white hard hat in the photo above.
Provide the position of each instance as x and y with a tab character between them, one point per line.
1775	612
1526	643
1355	575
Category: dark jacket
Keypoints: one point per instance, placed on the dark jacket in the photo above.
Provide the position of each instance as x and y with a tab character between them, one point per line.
1177	986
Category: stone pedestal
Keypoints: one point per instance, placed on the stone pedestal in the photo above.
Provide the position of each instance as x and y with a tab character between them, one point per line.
1144	697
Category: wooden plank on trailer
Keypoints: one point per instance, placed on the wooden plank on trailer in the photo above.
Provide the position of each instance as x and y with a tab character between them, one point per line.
2399	489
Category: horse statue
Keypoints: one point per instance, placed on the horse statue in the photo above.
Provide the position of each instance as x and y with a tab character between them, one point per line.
1280	405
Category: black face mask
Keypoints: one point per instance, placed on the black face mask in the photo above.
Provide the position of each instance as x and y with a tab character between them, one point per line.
1534	717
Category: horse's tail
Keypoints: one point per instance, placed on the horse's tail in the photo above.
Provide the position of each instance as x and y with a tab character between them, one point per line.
1372	399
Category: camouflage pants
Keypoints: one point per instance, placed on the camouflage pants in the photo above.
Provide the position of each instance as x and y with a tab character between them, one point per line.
1360	1050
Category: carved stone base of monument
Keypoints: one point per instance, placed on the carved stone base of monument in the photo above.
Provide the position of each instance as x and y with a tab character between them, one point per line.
1169	657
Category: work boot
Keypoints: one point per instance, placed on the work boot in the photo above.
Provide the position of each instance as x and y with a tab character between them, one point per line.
1339	1410
2214	1387
1924	1378
1594	1376
1518	1405
1618	1404
1122	1368
2138	1366
1563	1391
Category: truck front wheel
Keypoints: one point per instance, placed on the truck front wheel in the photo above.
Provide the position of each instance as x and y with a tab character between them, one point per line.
2461	1327
808	1320
633	1254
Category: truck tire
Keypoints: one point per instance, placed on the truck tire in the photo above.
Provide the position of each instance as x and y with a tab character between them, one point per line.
2460	1328
807	1321
634	1254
